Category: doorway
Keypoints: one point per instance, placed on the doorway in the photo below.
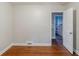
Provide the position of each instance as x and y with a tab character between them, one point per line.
57	23
69	29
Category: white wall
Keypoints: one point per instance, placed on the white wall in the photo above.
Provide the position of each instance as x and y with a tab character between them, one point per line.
33	22
5	25
76	7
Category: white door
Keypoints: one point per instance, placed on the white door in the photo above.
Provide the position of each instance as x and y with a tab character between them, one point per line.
68	29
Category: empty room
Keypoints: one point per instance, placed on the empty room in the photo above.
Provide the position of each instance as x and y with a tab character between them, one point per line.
39	28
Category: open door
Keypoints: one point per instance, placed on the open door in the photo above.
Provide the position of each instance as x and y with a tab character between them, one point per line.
68	29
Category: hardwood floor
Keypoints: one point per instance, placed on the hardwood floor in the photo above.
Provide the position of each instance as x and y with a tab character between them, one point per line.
54	50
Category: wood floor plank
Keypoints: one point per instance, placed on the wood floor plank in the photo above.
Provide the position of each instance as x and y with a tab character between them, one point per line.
54	50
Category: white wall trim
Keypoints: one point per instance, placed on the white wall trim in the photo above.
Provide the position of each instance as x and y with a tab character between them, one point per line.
34	44
23	44
8	47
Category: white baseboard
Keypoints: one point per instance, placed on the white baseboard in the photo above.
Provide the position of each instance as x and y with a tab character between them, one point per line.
34	44
23	44
77	52
8	47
